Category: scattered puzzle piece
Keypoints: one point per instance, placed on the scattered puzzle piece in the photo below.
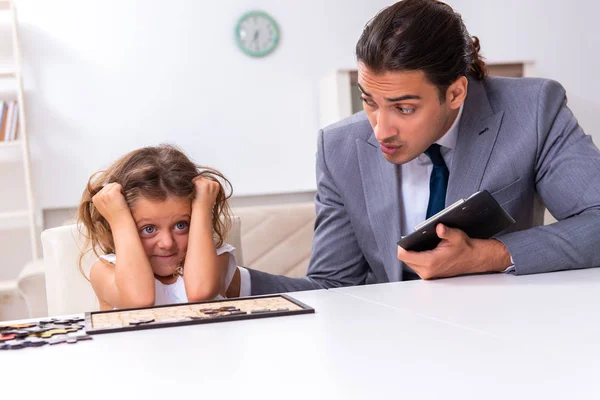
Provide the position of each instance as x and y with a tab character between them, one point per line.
7	337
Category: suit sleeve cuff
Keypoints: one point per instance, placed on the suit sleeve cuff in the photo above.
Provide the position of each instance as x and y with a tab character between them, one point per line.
245	283
510	269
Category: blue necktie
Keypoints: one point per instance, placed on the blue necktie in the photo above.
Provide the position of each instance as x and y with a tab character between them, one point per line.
438	181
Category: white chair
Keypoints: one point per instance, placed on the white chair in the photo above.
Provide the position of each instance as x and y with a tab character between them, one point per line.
278	238
68	292
12	303
32	285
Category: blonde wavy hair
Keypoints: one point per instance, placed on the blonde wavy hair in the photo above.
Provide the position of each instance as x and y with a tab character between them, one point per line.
153	173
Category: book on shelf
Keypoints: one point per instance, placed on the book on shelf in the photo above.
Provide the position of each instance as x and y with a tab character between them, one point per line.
9	112
2	119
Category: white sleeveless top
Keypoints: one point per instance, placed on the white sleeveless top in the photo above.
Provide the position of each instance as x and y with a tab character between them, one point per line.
175	292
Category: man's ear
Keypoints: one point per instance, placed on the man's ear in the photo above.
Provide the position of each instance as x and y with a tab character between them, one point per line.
457	93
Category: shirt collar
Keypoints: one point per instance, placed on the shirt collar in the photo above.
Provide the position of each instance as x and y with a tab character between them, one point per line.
449	138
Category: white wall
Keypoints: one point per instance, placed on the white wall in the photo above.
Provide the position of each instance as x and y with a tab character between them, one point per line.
562	37
105	77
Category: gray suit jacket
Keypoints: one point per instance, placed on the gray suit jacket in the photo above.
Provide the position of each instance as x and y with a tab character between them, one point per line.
517	138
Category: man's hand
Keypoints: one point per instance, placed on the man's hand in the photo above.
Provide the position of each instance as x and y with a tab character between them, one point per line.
457	254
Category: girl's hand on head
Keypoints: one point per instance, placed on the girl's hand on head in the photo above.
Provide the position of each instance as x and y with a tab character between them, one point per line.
111	203
207	191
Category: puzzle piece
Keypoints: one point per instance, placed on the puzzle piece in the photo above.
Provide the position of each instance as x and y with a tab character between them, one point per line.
52	332
6	337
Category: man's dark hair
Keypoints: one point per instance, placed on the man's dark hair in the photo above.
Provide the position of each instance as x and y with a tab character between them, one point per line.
421	35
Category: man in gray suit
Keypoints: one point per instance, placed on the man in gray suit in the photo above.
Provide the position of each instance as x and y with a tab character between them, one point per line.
434	130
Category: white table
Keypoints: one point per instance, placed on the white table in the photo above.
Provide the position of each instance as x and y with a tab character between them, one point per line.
425	340
559	310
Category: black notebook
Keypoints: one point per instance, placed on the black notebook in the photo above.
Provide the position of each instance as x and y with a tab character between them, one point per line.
479	216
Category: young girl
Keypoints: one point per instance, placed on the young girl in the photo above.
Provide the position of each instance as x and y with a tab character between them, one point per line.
157	222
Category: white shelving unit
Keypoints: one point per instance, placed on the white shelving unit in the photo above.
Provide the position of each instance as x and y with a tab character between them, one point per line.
27	215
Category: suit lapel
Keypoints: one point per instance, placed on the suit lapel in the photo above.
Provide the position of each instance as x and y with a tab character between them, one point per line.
477	134
381	187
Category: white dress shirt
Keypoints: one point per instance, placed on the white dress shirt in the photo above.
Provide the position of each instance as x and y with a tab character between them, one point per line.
414	177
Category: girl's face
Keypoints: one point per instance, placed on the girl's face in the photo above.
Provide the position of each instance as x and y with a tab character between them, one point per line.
163	227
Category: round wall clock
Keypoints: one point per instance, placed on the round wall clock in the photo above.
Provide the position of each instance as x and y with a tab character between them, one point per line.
256	33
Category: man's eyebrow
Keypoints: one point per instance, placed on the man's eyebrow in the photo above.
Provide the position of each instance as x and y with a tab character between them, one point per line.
393	99
363	90
405	97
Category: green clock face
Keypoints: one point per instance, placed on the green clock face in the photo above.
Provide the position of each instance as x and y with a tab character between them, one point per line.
256	33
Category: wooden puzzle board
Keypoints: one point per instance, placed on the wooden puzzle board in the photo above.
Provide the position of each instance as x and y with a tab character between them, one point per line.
193	313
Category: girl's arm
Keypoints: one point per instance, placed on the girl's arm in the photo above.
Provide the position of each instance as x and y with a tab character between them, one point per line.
204	271
130	282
